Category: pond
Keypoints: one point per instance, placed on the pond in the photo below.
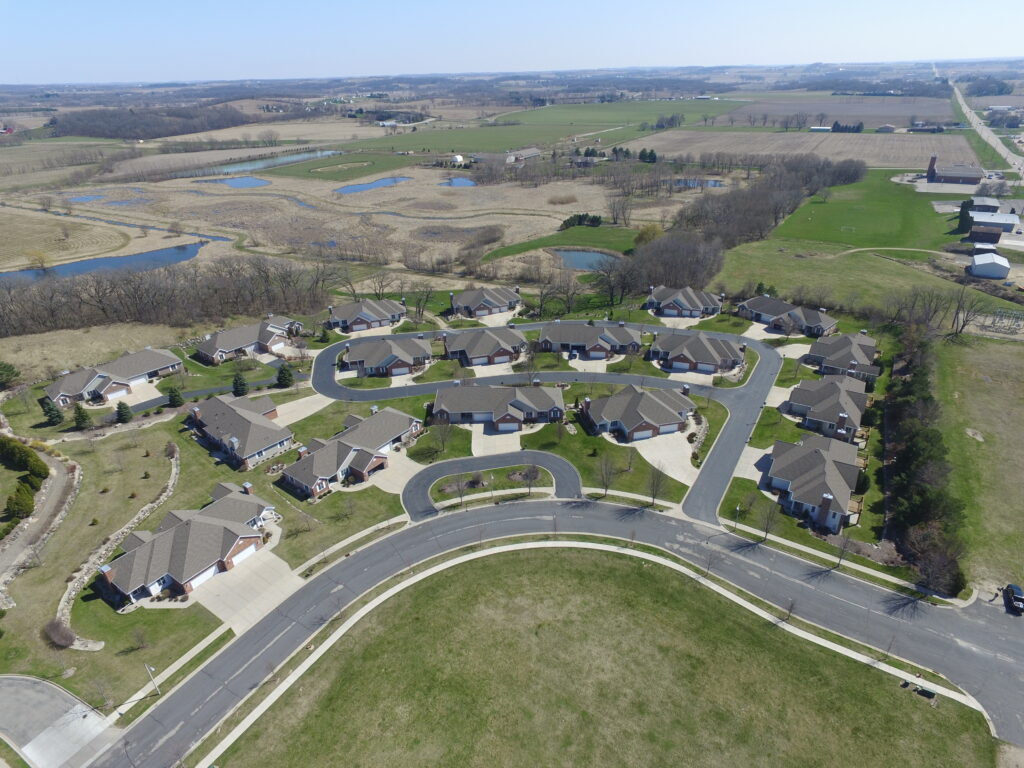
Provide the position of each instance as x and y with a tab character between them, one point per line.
390	181
85	198
236	182
584	260
697	183
136	262
134	201
248	166
458	181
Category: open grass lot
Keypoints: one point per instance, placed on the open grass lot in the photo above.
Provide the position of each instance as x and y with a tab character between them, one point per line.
497	480
198	376
878	150
772	426
580	658
428	450
873	213
345	167
544	361
31	239
25	415
635	364
632	472
331	420
793	372
724	323
444	370
980	384
605	237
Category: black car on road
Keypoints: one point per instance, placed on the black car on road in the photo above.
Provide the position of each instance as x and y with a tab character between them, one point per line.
1013	596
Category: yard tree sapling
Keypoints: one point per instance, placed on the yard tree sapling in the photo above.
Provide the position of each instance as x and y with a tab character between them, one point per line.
285	376
123	413
239	386
82	418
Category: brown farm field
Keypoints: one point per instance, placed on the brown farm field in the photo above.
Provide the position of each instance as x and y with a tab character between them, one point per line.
881	150
872	110
323	129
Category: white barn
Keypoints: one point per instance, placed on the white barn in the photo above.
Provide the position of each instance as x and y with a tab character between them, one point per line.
990	265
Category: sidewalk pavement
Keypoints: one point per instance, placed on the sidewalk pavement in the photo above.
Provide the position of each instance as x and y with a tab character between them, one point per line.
353	538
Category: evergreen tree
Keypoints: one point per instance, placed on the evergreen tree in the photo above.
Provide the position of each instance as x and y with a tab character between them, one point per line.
642	157
54	415
965	217
123	413
285	377
324	336
652	156
239	386
82	418
174	398
8	374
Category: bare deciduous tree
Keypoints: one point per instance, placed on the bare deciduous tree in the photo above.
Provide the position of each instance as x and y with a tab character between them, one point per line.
380	282
606	471
656	482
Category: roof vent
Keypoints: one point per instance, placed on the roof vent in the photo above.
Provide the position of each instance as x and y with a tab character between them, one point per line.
374	409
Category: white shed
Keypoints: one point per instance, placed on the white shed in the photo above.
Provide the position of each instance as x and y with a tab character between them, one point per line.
990	265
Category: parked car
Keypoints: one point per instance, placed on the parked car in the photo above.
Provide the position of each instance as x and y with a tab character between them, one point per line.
1013	596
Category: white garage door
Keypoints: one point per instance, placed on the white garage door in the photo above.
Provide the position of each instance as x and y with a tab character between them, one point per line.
116	394
664	429
247	552
205	576
705	368
503	359
478	361
513	427
399	371
481	416
276	346
643	433
138	380
671	312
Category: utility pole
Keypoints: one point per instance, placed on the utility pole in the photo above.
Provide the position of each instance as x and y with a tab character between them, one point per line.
152	679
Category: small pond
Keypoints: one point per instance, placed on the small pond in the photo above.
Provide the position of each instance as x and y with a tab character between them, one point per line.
133	201
458	181
248	166
390	181
137	262
697	183
585	260
85	198
236	182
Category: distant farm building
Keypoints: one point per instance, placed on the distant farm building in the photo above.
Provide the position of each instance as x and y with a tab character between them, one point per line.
983	234
821	129
887	128
985	204
958	173
1007	222
989	265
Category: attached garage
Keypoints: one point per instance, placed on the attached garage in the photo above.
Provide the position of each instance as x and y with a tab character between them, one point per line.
247	552
670	312
643	434
502	359
139	380
481	416
508	427
706	367
204	576
665	429
399	371
478	361
277	345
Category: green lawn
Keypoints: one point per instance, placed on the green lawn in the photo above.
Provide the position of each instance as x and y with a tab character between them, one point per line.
575	658
724	323
483	482
26	418
410	326
331	420
345	167
464	323
793	372
367	382
750	358
444	370
632	472
873	213
198	376
428	450
545	361
605	237
772	426
636	364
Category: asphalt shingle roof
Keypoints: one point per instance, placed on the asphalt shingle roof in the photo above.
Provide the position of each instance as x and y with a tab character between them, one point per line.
698	347
831	396
373	354
122	369
484	341
634	406
689	298
224	418
369	309
815	466
840	351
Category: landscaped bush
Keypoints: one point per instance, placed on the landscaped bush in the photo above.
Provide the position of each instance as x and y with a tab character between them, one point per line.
59	634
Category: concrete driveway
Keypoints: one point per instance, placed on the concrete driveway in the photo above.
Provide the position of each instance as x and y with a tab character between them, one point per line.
249	591
754	462
392	479
44	722
680	322
777	396
671	453
794	351
296	410
488	442
493	321
593	366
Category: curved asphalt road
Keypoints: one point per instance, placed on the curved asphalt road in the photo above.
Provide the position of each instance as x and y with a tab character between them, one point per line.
416	494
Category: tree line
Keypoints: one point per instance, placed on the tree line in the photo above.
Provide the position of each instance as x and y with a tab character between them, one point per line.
145	123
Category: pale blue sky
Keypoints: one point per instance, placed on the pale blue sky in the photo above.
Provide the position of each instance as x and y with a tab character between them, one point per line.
103	40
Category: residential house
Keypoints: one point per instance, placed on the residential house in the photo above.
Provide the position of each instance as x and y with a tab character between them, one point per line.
357	452
478	302
850	354
259	338
695	352
113	380
590	342
782	316
392	356
484	346
985	204
989	265
833	405
957	173
190	546
506	409
682	302
241	427
365	314
635	414
887	128
817	478
1005	222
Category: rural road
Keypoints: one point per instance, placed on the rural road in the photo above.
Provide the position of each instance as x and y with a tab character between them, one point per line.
1016	161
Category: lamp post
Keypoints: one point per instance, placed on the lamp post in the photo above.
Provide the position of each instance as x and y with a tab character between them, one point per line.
152	679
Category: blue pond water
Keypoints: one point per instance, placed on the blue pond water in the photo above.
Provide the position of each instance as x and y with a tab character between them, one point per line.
136	263
390	181
237	182
135	201
85	198
586	260
248	166
458	181
696	183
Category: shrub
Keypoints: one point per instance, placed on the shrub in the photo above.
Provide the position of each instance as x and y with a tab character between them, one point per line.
124	413
174	398
59	634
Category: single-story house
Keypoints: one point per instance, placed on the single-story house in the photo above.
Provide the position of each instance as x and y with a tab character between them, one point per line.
817	478
850	354
259	338
484	346
983	234
115	379
1007	222
393	356
957	173
985	204
990	265
357	452
833	405
505	408
695	352
365	314
783	316
682	302
478	302
590	342
242	428
635	414
887	128
191	546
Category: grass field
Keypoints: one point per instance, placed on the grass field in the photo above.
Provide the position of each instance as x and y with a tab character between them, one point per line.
772	426
428	450
344	167
724	323
33	239
498	480
793	372
579	658
444	370
198	376
606	238
980	384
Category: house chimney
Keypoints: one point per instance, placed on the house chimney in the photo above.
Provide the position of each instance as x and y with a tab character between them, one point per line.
650	289
374	409
853	365
330	309
558	319
841	423
403	301
536	382
233	442
622	323
686	389
269	315
419	335
586	405
451	298
516	289
826	504
743	347
863	332
247	488
195	413
302	450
